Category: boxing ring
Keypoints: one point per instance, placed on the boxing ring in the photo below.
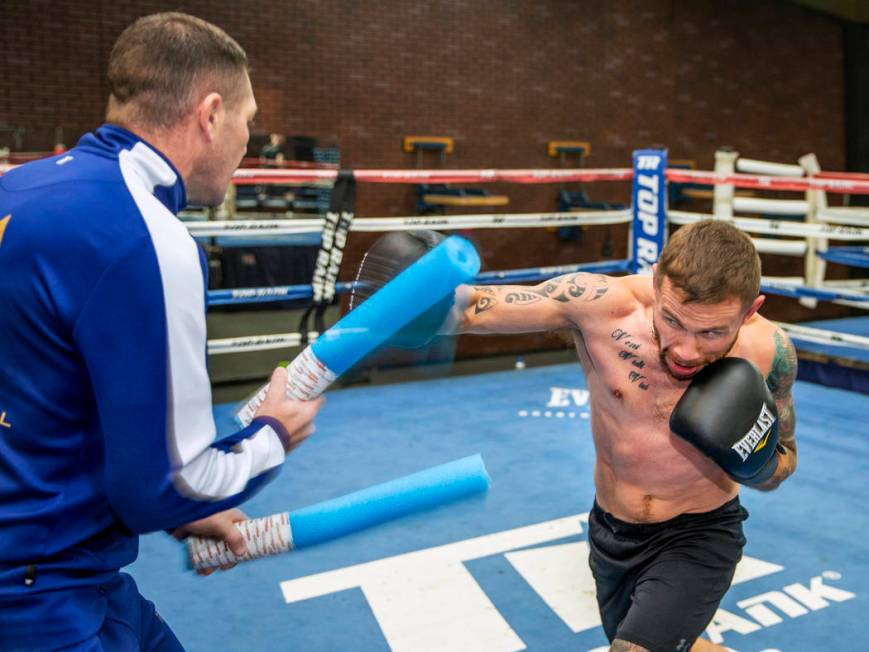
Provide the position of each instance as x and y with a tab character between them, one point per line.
507	570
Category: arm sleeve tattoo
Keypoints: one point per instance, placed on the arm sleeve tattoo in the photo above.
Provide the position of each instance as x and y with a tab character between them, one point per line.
564	289
780	382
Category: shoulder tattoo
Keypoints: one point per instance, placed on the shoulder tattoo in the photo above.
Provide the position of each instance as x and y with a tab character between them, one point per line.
780	381
784	366
576	287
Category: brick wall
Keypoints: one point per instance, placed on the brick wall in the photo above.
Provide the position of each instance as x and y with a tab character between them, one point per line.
502	77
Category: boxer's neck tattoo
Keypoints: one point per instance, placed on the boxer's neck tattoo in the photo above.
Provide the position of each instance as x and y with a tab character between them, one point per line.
629	354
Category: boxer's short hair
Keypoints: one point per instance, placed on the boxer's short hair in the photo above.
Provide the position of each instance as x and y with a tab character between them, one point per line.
163	63
711	261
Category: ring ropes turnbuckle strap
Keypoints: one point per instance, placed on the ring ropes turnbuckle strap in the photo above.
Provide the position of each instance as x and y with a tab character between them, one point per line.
342	208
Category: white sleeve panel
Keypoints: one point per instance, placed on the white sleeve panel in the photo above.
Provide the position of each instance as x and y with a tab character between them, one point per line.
216	473
191	430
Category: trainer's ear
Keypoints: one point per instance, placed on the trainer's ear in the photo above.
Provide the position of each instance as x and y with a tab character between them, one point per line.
755	306
209	113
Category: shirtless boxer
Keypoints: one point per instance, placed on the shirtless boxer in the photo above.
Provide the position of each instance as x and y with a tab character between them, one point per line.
665	530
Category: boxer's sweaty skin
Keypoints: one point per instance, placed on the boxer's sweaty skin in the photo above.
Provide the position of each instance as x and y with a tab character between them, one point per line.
643	472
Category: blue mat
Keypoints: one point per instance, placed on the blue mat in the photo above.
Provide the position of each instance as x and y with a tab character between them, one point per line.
508	570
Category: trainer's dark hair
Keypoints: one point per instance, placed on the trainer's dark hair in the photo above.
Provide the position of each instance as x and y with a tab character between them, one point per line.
161	64
711	261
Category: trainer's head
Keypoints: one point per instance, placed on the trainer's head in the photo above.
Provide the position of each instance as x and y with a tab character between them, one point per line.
707	284
182	84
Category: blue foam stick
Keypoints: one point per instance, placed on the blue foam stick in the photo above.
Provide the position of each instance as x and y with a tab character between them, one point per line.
429	280
282	532
346	514
416	289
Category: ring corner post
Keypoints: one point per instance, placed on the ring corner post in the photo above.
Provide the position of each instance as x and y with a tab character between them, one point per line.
649	209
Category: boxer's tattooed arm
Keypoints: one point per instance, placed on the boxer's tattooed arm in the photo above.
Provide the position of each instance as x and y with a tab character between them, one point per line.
549	306
780	382
576	287
570	287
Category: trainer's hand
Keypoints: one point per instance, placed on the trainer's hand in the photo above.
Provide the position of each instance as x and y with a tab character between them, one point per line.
297	417
219	526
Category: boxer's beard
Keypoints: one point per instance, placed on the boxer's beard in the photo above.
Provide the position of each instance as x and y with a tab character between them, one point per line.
698	364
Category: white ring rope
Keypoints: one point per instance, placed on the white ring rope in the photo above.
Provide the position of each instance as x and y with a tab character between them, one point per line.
821	336
494	221
770	206
377	224
752	166
256	227
257	342
854	215
778	227
781	247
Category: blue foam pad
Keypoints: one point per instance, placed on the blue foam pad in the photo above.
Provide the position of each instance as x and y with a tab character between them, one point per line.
416	289
435	486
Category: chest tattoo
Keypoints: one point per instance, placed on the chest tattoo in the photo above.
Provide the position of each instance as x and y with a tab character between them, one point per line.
629	354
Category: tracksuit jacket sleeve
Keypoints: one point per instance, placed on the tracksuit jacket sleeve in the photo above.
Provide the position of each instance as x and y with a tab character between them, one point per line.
142	336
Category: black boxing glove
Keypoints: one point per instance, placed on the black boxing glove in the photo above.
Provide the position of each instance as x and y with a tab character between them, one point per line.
386	259
729	414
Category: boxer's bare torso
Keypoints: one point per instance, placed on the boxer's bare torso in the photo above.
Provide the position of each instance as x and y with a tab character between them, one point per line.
643	472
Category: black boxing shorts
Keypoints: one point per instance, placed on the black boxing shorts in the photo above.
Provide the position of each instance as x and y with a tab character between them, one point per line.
659	584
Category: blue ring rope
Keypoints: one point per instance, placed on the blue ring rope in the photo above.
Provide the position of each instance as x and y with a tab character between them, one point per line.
296	292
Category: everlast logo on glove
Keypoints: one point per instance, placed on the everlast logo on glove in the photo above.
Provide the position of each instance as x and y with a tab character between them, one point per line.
756	438
729	414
